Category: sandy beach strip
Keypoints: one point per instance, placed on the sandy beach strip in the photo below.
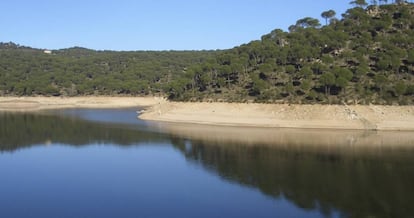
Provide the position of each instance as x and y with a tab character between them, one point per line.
21	104
358	117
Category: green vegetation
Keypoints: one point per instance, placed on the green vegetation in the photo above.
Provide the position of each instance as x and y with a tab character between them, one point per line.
80	71
365	57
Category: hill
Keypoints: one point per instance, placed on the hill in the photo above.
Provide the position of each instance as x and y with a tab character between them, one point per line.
365	57
26	71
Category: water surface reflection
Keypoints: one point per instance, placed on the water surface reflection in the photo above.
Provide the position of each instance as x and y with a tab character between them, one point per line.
352	173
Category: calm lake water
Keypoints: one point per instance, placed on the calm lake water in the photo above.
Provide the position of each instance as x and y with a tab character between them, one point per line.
107	163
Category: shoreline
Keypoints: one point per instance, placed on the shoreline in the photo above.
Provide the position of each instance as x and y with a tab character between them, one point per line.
341	117
38	103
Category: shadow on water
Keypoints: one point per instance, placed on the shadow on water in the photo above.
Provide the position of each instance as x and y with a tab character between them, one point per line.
68	127
361	174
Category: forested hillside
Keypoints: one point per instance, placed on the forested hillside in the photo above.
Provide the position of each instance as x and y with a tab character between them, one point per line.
365	56
80	71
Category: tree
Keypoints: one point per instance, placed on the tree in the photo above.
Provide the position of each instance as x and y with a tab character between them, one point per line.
292	28
327	80
380	81
306	85
359	3
384	63
342	83
290	69
343	72
400	88
328	15
306	72
308	22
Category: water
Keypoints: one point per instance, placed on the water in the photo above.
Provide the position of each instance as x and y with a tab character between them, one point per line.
106	163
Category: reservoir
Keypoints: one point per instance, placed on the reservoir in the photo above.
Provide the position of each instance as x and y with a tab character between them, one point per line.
108	163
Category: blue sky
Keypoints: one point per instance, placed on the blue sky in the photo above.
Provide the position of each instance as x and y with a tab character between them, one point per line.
151	24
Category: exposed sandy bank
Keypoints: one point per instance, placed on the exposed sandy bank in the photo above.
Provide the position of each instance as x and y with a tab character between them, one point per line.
41	103
282	115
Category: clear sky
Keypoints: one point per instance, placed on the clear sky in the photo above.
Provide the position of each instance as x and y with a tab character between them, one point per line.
151	24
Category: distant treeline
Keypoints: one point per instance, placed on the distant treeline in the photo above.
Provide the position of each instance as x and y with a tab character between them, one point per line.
79	71
367	56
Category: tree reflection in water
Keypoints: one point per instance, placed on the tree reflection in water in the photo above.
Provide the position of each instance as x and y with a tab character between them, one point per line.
361	174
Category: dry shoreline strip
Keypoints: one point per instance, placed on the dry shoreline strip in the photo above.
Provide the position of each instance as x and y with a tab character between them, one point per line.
365	117
22	104
357	117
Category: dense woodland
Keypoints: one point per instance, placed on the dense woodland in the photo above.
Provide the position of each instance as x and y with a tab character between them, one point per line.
80	71
364	57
